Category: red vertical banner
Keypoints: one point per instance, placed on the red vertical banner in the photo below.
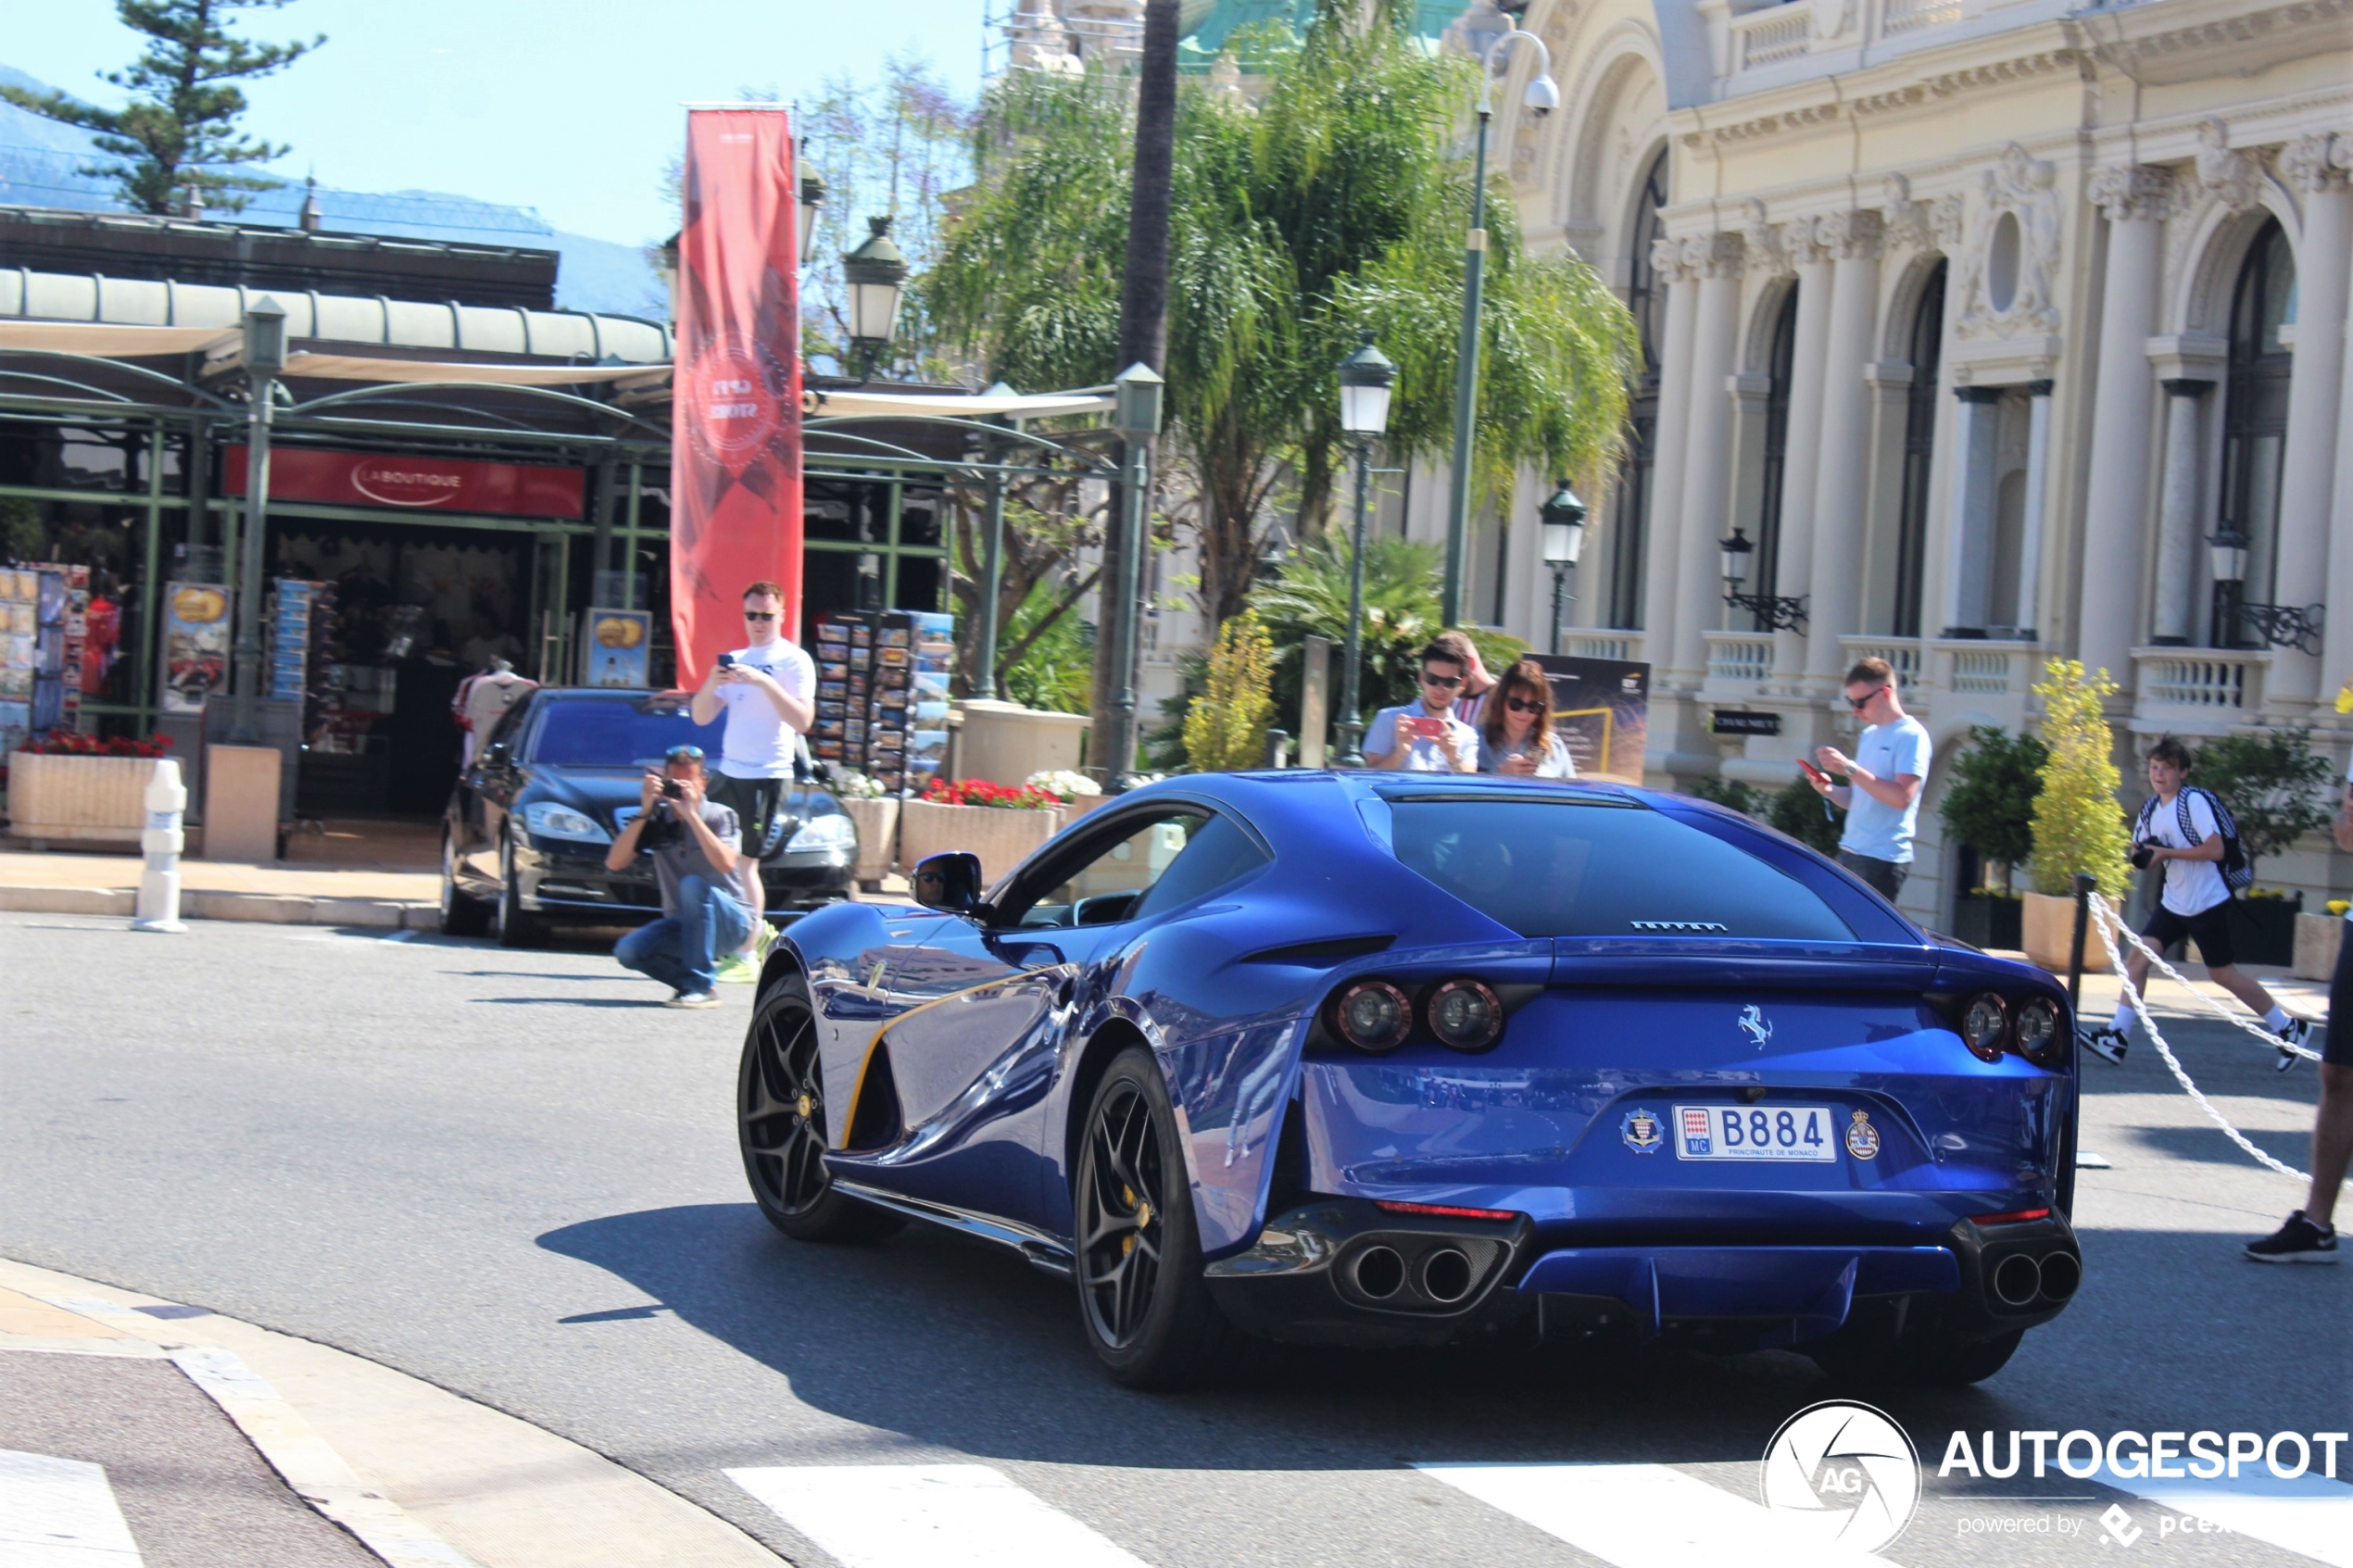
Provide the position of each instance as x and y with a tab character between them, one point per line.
735	465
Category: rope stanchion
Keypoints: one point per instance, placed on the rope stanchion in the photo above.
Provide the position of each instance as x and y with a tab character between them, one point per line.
2109	922
2236	1021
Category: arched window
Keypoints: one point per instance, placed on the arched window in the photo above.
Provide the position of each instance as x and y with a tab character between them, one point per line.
2255	418
1648	303
1920	453
1768	513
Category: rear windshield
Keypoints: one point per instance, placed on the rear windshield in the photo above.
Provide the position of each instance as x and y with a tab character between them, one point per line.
1564	868
619	733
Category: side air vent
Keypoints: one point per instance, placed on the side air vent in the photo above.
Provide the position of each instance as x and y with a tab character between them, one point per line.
1707	926
1322	955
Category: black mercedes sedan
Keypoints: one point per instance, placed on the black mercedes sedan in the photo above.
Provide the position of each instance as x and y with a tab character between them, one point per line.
524	841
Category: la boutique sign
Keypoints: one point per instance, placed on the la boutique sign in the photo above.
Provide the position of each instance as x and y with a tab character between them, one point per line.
415	483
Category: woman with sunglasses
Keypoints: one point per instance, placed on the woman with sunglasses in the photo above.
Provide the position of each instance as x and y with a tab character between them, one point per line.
1517	739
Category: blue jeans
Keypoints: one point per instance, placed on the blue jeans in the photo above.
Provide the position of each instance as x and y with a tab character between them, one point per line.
679	949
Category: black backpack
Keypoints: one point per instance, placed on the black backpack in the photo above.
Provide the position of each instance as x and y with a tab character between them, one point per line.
2236	873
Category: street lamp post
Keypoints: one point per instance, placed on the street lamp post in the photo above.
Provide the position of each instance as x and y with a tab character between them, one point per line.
265	356
1542	97
2279	626
813	199
1563	516
1774	612
875	277
992	559
1365	378
1135	415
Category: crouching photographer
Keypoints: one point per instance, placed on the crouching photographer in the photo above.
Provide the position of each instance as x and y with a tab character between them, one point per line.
694	844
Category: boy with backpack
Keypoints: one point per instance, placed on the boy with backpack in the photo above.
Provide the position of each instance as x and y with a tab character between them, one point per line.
2189	834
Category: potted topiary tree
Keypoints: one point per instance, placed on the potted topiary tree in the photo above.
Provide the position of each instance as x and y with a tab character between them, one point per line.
2276	785
2078	827
1990	806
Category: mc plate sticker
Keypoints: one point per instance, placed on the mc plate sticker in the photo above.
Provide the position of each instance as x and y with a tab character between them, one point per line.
1803	1133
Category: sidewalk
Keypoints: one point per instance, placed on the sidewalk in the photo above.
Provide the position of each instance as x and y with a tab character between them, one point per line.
62	882
130	1427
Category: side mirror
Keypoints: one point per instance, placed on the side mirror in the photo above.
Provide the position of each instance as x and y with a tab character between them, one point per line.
950	882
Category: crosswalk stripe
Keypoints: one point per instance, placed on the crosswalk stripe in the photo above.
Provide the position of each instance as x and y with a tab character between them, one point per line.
60	1513
2309	1515
1646	1516
925	1515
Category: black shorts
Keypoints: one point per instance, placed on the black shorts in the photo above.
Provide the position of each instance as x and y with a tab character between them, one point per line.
754	802
2338	1052
2209	927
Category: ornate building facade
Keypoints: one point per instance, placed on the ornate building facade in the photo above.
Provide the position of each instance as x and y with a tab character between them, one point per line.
1983	322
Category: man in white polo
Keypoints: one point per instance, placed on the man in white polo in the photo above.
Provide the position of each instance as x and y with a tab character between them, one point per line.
768	688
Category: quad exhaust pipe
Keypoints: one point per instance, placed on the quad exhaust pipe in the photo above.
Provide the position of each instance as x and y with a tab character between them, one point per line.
1447	1276
2020	1279
1379	1273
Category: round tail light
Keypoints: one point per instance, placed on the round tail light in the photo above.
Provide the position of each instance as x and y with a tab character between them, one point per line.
2036	1030
1373	1015
1465	1015
1984	1023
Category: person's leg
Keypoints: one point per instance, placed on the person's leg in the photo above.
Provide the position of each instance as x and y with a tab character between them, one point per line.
765	797
730	922
2332	1140
2308	1236
1880	876
696	954
652	952
747	873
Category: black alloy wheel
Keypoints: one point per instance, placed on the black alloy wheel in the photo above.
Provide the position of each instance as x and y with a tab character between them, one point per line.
1142	1298
461	915
780	1123
516	927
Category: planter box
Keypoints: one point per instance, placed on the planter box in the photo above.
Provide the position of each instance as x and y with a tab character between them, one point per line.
2317	937
2047	930
2264	930
1985	920
1000	835
78	799
878	823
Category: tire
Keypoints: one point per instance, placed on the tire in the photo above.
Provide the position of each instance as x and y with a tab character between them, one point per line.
780	1125
516	927
1143	1303
461	914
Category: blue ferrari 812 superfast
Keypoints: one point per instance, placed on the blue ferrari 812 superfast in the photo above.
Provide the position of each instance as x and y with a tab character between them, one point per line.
1407	1059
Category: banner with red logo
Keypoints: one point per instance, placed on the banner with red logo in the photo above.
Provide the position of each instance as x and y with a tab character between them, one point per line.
414	483
734	467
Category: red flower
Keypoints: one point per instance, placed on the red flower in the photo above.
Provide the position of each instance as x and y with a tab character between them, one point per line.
981	792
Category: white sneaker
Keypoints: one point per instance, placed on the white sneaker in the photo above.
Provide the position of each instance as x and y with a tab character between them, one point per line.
2109	1044
692	999
2296	1031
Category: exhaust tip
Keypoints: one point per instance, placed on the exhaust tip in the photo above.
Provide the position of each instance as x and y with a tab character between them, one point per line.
1379	1273
1446	1275
2061	1275
2018	1279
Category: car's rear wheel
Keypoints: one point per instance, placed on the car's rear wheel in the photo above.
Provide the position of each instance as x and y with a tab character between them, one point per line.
516	926
780	1124
461	914
1142	1299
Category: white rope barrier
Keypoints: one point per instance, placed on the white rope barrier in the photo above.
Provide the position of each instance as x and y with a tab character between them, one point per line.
2237	1020
2109	922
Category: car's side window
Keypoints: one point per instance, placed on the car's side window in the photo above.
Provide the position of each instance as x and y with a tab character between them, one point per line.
1104	884
1218	852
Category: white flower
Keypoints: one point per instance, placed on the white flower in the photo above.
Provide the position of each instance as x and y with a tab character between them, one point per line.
1065	782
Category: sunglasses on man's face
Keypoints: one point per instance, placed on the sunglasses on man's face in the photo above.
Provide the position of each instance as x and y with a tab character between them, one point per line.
1860	703
684	754
1445	682
1520	705
760	615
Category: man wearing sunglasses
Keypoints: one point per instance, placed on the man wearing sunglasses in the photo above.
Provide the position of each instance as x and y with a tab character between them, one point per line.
1425	737
1882	794
768	688
697	848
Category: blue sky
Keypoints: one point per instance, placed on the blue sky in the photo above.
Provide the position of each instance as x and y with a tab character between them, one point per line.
572	106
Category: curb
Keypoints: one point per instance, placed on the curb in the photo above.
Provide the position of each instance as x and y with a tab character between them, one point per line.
276	908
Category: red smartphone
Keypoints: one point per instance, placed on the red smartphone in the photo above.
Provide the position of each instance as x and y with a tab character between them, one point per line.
1421	727
1813	773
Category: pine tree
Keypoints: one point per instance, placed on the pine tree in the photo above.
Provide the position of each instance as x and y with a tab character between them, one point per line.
2079	827
181	127
1226	728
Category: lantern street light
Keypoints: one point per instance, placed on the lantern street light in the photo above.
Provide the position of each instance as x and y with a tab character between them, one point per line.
875	274
813	198
1563	516
265	359
1366	377
1136	412
2280	626
1773	612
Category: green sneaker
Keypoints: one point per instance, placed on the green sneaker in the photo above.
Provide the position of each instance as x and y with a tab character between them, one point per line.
735	969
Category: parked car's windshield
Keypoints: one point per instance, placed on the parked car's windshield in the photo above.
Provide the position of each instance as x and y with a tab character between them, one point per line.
618	733
1570	869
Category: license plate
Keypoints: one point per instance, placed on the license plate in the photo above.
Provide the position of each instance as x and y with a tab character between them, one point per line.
1802	1132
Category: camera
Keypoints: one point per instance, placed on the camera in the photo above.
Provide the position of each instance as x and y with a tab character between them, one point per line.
2141	856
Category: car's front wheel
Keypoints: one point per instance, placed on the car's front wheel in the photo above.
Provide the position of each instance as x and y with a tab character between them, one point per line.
1142	1299
780	1123
461	914
516	926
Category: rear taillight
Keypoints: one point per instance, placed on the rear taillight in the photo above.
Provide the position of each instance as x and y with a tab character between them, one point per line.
1465	1015
1444	1211
2035	1032
1985	1026
1373	1015
2015	1217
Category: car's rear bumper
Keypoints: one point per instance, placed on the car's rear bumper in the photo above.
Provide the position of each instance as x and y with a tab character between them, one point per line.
1343	1271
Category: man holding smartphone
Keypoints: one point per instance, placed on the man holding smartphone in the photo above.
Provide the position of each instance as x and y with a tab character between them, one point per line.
697	851
768	689
1882	797
1425	737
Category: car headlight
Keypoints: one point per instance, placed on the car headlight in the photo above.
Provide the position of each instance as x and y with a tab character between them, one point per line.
1984	1023
547	818
834	830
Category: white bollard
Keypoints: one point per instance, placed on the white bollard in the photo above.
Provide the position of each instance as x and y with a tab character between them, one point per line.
161	842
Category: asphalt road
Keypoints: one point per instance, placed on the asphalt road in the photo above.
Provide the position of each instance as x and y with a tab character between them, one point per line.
512	1175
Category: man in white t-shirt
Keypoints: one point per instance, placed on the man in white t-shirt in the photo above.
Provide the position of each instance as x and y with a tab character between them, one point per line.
1425	737
1883	792
768	689
2196	902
